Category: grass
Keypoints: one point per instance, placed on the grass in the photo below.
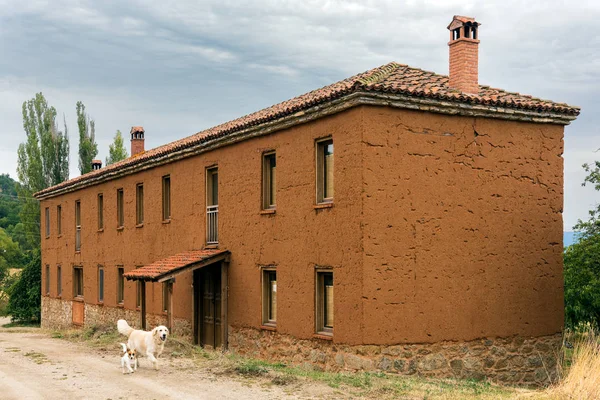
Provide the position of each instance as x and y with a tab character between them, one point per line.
371	384
581	368
580	378
21	324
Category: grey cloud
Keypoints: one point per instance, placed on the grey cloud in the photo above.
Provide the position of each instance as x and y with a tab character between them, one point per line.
178	67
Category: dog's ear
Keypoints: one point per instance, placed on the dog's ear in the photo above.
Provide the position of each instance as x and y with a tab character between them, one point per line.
154	331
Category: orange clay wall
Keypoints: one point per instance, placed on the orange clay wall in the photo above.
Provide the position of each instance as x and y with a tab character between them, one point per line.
462	227
436	233
296	239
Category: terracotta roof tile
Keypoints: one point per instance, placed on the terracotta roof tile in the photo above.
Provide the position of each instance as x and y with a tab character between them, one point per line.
390	78
157	269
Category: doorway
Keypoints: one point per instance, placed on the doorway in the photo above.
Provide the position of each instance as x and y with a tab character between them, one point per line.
208	306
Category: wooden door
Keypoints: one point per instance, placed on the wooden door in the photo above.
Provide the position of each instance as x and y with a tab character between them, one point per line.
207	291
78	311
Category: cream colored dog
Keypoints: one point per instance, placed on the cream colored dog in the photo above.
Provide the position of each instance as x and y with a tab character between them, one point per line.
151	344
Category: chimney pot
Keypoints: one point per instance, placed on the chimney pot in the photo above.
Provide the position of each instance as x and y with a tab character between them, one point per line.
464	51
137	140
96	164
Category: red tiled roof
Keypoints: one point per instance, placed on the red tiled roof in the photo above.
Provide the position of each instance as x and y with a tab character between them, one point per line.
390	78
154	271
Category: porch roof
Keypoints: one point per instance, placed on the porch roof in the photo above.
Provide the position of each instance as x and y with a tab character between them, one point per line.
167	268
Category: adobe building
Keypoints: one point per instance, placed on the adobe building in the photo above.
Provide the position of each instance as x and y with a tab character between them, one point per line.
397	220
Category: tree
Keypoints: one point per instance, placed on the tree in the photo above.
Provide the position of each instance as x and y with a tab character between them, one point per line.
117	150
24	295
582	265
88	148
43	160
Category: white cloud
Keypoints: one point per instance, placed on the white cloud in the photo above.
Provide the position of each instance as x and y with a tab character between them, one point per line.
177	67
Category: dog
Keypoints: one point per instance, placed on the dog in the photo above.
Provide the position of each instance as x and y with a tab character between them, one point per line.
128	358
151	344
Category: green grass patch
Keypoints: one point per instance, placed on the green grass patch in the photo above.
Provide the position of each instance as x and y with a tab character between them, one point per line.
21	324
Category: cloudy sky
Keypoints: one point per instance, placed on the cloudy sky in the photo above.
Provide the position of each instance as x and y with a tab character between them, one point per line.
178	67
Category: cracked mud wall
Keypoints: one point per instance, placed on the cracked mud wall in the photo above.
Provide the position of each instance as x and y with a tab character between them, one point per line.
462	227
295	239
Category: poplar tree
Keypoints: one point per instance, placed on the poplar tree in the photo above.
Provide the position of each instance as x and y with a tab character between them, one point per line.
88	148
116	150
43	160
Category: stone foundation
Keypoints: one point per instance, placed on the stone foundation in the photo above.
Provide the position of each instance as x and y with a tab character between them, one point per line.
515	360
57	314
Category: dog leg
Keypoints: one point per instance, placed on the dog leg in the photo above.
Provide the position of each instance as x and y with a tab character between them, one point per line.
135	365
153	360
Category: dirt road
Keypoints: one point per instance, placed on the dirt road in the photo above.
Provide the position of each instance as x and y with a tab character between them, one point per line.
35	366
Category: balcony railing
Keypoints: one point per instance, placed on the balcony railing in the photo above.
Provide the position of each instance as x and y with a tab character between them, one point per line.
77	238
212	224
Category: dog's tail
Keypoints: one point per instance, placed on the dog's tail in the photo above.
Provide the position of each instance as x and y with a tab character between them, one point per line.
124	348
124	328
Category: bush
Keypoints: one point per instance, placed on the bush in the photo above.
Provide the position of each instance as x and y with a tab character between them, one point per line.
582	282
24	302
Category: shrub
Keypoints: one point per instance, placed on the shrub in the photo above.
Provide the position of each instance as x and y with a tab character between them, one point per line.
24	302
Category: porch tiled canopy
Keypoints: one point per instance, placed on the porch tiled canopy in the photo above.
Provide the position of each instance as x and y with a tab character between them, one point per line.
168	268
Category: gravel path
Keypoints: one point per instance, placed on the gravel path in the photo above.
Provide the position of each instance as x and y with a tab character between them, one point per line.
35	366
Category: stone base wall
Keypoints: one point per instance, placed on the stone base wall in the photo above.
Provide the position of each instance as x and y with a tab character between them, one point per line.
57	314
515	360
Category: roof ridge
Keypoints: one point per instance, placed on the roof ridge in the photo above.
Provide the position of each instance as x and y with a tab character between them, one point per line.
378	74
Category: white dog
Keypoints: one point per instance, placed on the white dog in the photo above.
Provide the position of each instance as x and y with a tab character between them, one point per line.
128	359
151	344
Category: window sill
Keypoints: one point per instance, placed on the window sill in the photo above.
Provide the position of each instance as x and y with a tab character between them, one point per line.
268	211
59	236
100	230
321	206
166	221
100	303
140	225
78	298
120	305
120	228
77	251
59	296
268	327
212	246
323	335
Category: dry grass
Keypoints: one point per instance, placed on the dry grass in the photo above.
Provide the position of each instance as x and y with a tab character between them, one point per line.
581	369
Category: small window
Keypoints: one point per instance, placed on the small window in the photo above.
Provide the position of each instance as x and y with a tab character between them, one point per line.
59	220
100	284
100	211
166	197
139	204
47	281
120	285
269	297
47	221
78	282
165	296
325	171
120	210
58	280
77	225
324	302
269	181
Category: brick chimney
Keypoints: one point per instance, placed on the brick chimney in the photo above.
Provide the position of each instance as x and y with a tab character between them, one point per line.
96	164
137	140
464	50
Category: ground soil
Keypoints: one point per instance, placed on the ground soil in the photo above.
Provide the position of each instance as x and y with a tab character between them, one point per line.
35	366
